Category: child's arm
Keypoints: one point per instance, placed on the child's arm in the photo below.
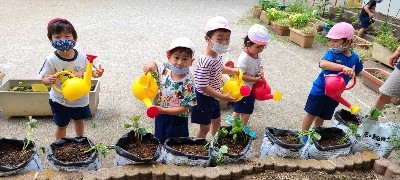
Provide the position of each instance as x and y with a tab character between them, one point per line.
98	72
249	78
49	80
151	66
331	66
173	110
228	70
215	94
366	8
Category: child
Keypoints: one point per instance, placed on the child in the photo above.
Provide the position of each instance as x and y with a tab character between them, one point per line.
339	57
366	16
62	36
208	77
249	62
176	90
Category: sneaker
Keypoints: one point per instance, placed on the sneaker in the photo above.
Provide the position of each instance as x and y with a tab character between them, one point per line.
251	133
229	119
304	139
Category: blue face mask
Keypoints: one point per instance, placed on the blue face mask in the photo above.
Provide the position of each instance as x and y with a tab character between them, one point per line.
338	50
178	70
63	45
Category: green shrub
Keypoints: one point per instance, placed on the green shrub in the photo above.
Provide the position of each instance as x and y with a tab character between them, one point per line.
282	22
387	40
298	21
274	14
299	6
268	4
309	30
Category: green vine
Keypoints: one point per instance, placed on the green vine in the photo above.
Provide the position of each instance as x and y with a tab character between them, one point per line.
102	149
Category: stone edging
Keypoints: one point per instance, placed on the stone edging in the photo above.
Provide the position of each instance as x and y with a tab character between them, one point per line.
358	161
386	168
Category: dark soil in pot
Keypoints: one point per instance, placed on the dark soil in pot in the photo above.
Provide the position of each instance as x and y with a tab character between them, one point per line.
234	146
195	149
72	152
143	149
288	138
329	141
349	118
12	154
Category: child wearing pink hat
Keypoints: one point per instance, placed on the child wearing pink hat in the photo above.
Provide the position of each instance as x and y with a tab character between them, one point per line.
176	91
208	77
249	62
339	57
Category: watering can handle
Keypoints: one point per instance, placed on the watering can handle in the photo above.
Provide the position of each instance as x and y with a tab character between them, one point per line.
149	76
354	81
58	74
240	75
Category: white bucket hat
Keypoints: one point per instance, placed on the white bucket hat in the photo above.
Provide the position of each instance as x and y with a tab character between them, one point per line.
258	34
182	42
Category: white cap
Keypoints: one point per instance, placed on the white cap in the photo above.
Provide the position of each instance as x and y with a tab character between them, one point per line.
182	42
217	22
258	34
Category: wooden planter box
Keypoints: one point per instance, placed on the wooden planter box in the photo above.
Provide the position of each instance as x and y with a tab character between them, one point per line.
34	103
304	40
256	12
373	82
1	77
263	17
281	30
381	54
317	25
362	43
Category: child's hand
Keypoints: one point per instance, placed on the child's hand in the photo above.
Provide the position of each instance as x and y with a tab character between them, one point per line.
349	71
149	68
258	79
99	72
227	97
49	80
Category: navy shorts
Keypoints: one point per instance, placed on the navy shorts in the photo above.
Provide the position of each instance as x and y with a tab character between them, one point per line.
365	22
167	126
62	114
321	106
207	108
245	105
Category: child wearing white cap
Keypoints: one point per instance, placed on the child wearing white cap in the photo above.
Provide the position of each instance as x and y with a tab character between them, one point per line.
208	77
176	91
249	62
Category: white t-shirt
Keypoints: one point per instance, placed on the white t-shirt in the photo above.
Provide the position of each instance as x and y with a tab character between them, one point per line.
77	66
249	65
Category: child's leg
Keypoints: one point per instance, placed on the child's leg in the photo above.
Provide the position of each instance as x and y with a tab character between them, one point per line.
245	118
318	121
61	132
203	131
79	127
215	124
234	115
307	121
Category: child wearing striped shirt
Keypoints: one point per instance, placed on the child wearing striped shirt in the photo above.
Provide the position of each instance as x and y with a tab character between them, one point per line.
208	77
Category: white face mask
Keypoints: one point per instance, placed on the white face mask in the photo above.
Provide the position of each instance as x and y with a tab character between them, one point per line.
219	48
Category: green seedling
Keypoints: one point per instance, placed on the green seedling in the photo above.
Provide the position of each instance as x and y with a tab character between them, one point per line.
222	150
139	131
374	114
351	131
220	134
32	124
102	149
312	133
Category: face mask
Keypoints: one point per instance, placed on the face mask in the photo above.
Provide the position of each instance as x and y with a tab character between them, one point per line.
219	48
178	70
63	45
339	49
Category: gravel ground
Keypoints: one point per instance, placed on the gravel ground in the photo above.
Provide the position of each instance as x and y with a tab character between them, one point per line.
127	34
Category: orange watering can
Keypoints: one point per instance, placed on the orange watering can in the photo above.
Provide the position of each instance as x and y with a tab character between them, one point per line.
334	87
145	89
236	87
262	91
74	88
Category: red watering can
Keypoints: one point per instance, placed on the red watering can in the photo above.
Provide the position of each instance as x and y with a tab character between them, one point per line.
262	91
334	87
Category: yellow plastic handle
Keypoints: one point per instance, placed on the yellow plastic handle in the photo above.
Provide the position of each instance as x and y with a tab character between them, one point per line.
149	76
238	79
58	74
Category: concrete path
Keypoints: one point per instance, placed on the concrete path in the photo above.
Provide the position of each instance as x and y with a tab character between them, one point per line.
127	34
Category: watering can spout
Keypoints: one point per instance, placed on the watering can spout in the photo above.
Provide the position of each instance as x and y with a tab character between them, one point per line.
262	92
88	72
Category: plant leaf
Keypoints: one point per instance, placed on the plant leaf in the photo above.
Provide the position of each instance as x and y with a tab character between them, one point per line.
127	125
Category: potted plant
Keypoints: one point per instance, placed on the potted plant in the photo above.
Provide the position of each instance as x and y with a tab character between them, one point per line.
383	47
265	6
280	142
256	10
231	144
281	26
35	103
362	53
188	151
317	24
19	156
137	146
327	26
300	33
374	78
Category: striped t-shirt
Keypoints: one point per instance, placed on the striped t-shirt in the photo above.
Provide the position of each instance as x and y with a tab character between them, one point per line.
208	72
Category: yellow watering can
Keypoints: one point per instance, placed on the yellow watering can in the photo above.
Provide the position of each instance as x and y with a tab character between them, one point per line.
236	86
74	88
145	89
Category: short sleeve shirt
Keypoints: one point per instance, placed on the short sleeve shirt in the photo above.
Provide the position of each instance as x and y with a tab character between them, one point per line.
372	4
208	72
175	93
77	66
249	65
352	61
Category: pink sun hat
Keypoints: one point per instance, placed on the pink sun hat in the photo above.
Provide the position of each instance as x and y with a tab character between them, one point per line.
217	22
258	34
341	30
51	22
182	42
